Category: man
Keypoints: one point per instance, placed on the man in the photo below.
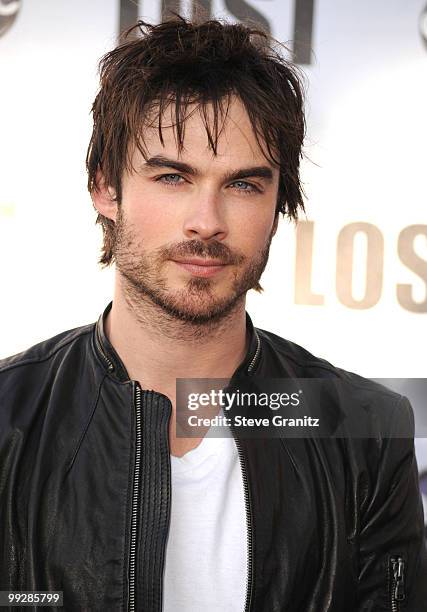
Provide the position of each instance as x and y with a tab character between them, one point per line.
195	150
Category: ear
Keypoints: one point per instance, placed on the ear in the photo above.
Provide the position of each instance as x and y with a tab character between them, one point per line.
104	198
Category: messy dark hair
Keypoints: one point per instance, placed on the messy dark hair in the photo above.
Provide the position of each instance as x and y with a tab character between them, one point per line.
184	62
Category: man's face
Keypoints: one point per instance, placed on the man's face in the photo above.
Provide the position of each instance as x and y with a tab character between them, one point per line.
196	205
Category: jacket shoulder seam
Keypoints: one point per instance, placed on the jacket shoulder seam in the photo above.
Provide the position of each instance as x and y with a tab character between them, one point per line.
340	373
52	352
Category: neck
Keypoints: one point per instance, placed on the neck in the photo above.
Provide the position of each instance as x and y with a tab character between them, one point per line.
156	348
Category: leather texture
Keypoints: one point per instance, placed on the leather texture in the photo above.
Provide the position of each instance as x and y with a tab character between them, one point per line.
85	480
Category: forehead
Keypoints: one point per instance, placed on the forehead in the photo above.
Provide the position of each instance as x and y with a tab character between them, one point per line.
233	136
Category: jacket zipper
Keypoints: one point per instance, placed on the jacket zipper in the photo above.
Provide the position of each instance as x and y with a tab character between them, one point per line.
248	505
257	351
135	498
249	522
109	363
396	571
135	489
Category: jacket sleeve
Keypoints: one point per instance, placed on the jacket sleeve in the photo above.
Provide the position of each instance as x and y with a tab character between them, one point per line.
392	539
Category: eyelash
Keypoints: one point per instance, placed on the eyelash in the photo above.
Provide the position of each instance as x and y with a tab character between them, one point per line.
252	189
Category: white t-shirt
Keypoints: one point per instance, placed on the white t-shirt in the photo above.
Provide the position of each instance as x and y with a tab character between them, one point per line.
206	553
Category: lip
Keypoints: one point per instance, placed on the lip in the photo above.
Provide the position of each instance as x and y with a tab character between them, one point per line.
200	267
198	261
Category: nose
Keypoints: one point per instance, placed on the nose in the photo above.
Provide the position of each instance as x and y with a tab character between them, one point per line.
205	216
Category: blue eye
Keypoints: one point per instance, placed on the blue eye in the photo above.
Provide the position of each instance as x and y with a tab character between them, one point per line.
176	179
170	179
244	186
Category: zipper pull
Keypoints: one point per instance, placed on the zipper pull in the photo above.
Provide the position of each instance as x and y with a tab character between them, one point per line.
399	580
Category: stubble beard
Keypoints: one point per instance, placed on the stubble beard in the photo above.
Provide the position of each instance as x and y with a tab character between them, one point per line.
196	304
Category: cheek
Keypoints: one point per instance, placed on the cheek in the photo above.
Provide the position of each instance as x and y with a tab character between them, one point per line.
253	234
150	217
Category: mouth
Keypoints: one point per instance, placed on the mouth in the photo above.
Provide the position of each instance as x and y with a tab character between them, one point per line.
200	267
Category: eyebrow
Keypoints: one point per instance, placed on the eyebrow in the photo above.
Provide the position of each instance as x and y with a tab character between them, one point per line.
159	161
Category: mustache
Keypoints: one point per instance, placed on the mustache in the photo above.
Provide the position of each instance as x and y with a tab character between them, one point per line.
212	250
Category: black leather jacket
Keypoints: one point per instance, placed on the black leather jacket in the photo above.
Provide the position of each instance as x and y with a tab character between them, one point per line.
85	484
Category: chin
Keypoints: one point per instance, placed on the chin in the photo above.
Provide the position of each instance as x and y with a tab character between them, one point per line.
198	310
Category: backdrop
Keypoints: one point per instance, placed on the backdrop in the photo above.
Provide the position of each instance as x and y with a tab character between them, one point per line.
349	282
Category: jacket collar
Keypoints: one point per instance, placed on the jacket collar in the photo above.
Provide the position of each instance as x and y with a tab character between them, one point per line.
116	368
